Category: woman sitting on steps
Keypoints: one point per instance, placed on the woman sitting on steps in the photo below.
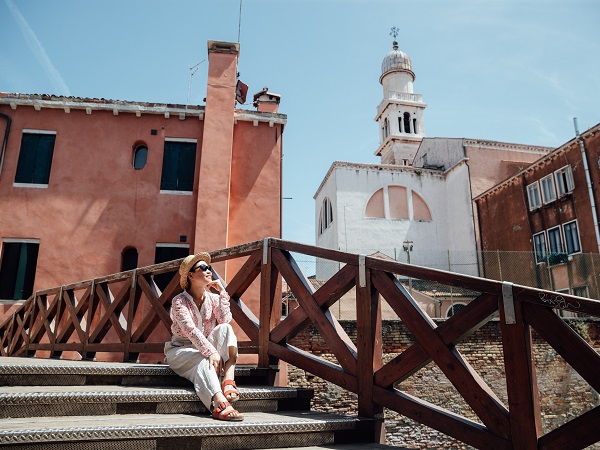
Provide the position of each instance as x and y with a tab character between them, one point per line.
203	342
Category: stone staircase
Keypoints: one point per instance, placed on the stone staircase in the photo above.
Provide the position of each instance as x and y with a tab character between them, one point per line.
49	404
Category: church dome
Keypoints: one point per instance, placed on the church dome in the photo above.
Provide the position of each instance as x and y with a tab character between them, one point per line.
396	60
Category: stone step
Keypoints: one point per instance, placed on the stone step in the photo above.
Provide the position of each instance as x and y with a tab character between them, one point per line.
38	401
259	430
15	371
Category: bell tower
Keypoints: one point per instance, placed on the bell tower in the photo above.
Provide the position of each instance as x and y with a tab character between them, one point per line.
400	113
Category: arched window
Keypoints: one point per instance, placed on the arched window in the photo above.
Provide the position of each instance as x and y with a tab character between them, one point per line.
375	206
140	156
407	122
420	209
454	309
415	126
129	259
386	128
326	216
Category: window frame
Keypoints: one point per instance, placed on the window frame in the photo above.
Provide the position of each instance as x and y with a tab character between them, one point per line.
544	256
557	228
534	188
27	273
564	180
21	184
179	191
575	251
548	181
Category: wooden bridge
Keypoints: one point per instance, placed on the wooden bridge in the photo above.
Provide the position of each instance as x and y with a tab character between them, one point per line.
120	314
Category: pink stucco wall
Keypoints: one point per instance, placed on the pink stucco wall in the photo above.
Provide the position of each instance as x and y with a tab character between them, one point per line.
96	204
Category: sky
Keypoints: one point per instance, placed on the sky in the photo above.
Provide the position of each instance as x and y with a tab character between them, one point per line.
506	70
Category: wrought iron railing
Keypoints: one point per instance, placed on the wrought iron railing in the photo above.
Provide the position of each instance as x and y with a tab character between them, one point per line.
125	314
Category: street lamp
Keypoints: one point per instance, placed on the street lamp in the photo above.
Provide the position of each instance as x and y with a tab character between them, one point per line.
408	247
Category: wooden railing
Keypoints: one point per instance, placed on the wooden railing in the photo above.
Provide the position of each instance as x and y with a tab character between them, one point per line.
123	314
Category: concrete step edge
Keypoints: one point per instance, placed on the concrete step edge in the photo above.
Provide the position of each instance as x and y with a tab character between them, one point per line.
94	394
141	426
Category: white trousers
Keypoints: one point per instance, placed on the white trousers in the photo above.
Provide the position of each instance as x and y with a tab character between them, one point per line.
187	361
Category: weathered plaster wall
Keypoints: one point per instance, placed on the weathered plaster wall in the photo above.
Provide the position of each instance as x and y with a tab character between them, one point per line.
563	393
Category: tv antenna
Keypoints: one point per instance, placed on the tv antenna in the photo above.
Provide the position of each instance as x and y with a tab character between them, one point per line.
193	70
240	22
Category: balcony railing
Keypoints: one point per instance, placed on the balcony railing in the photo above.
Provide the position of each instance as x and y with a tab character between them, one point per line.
125	313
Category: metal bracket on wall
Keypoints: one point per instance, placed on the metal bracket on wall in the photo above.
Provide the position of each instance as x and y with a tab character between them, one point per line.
509	303
265	250
362	271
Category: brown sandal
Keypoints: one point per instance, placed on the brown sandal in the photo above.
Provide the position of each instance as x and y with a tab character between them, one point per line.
232	390
219	413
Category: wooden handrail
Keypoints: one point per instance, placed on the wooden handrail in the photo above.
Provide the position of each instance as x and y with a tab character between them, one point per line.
124	313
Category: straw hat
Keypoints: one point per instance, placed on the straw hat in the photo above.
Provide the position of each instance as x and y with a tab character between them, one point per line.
186	265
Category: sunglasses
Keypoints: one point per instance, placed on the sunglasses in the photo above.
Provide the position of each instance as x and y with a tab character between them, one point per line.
201	267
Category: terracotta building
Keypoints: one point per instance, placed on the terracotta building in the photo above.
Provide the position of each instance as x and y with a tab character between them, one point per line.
90	187
549	209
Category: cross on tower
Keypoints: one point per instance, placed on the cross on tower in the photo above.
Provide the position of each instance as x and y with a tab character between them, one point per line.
394	32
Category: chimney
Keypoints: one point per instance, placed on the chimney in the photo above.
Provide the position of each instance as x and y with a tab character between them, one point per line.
265	101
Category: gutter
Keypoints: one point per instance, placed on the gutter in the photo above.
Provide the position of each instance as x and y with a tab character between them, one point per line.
588	180
5	140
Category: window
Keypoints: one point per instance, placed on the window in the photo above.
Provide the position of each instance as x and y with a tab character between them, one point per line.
415	126
17	270
557	254
179	162
572	237
539	245
454	309
35	157
386	128
168	252
548	191
129	259
326	216
140	157
564	181
406	122
581	291
533	195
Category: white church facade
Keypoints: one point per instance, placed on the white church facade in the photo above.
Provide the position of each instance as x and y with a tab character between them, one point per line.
417	204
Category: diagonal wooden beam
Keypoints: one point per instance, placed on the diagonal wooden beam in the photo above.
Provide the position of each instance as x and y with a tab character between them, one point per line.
242	280
440	419
341	345
74	318
111	311
460	325
465	379
325	296
46	317
316	366
158	313
578	433
568	344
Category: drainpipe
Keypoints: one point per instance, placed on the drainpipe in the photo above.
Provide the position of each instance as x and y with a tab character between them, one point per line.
588	181
5	141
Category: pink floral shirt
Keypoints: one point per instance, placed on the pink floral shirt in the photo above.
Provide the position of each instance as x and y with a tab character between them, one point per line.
194	325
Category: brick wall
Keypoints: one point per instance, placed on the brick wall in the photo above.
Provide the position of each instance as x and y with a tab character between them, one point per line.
563	393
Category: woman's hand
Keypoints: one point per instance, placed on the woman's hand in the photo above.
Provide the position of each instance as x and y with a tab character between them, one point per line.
216	285
215	362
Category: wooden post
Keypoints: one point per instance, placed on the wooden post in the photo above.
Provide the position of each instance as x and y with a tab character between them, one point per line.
266	302
369	346
521	380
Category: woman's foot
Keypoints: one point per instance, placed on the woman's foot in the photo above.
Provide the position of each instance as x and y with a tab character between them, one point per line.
230	391
224	411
